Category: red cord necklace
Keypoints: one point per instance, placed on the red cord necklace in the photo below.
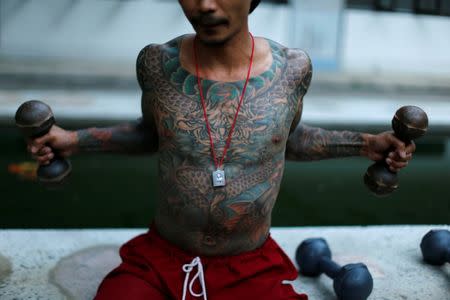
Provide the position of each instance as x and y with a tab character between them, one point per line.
218	176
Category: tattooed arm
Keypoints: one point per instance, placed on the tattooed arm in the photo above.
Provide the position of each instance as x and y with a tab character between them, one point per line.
312	143
131	137
307	143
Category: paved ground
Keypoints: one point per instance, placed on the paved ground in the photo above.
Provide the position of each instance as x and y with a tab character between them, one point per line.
69	264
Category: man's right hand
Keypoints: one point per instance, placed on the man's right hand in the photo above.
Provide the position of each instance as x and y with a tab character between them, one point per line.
57	139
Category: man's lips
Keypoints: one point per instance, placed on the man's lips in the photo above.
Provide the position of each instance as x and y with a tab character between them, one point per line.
210	25
209	22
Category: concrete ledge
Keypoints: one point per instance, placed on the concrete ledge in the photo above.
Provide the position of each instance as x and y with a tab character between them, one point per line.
350	110
69	264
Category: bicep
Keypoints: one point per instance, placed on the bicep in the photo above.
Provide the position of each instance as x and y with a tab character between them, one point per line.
303	63
144	78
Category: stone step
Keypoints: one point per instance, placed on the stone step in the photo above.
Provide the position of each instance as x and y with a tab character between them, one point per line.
61	264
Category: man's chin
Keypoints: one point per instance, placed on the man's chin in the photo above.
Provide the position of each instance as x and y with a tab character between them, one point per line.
212	39
213	42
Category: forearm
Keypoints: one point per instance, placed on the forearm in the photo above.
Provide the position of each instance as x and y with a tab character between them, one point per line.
312	143
131	137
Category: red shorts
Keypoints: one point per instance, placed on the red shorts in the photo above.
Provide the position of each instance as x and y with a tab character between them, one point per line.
152	268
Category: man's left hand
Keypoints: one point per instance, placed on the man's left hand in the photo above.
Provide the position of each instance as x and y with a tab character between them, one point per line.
385	146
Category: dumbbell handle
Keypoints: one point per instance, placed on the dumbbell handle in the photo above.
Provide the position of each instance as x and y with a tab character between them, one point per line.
329	267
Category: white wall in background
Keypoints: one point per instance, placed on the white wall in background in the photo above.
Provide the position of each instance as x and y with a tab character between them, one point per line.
87	29
396	42
111	31
317	29
107	29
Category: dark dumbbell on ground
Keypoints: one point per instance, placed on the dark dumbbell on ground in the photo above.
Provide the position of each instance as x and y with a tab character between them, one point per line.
351	282
409	123
435	247
35	118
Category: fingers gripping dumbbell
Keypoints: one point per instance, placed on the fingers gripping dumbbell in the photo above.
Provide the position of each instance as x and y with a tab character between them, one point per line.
409	123
35	118
351	282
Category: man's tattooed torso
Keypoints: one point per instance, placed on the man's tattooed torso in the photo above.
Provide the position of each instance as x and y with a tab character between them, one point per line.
191	212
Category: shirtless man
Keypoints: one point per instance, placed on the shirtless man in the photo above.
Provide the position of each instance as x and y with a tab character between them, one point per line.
220	232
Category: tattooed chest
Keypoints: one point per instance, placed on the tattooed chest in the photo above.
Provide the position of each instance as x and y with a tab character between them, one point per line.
191	212
253	163
260	130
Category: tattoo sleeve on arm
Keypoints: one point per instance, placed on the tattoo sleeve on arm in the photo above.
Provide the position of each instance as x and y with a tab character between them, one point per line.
311	143
132	137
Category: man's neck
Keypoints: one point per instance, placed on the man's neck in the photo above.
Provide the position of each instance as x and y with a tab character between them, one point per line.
229	59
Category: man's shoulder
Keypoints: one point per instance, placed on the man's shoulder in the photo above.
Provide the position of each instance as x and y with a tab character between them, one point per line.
298	64
299	55
172	46
291	53
295	57
150	62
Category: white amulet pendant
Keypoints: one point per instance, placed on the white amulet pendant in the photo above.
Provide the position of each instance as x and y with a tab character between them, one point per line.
218	177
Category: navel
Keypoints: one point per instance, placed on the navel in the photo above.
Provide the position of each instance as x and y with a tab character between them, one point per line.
209	241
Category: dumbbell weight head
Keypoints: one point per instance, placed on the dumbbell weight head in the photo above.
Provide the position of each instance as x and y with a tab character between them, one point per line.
309	254
409	123
353	282
34	118
435	246
380	180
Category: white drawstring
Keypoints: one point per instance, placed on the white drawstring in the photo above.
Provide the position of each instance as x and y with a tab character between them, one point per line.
187	268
